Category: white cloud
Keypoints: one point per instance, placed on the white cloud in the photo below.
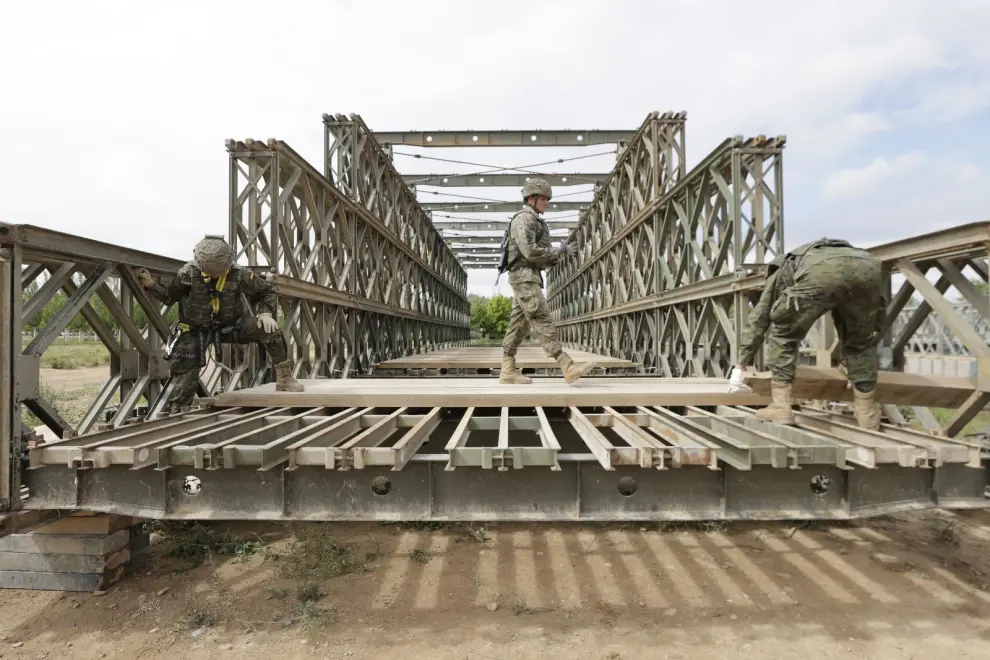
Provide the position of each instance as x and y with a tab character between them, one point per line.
115	113
859	181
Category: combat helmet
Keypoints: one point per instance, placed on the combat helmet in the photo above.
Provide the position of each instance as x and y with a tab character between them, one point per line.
537	187
213	255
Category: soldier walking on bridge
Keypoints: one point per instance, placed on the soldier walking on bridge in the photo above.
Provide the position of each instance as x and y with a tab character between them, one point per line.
208	290
826	275
529	253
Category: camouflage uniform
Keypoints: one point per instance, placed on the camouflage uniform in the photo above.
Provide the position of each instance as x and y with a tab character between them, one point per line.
827	275
529	307
529	252
211	312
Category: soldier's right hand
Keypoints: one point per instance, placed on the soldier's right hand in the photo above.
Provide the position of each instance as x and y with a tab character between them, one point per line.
144	278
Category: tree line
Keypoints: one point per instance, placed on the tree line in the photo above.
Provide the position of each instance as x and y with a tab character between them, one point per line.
490	316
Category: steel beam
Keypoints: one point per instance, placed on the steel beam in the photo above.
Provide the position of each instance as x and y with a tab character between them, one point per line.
500	207
536	138
501	179
10	346
495	225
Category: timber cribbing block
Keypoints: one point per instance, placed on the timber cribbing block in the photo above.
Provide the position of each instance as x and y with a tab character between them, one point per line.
81	552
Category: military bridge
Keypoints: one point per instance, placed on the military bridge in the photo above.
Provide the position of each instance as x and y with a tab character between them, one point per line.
404	418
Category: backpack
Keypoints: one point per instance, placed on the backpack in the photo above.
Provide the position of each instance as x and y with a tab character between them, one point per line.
503	263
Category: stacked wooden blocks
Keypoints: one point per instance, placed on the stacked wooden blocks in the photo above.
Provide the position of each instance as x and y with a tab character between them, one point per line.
83	551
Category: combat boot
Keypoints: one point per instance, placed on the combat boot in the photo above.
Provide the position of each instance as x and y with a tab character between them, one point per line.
780	410
572	370
510	374
866	409
285	382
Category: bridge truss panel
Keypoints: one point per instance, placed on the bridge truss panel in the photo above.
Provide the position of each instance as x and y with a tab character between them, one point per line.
358	289
361	170
662	286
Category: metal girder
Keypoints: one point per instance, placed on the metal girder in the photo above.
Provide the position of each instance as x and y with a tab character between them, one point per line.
499	207
492	240
501	179
496	225
537	138
634	463
10	345
483	250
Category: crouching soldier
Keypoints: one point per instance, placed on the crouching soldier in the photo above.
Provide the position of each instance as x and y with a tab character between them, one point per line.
826	275
211	311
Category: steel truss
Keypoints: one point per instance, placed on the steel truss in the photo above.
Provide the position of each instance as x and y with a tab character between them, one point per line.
662	274
935	337
358	288
490	180
607	463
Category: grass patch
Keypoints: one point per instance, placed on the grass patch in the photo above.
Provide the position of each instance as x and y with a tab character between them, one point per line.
419	555
313	556
942	415
946	534
314	615
75	356
195	543
200	617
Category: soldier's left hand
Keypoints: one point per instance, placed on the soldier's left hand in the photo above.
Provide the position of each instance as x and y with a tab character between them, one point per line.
267	323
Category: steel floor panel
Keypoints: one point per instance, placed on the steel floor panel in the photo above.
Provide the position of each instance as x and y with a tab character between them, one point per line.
503	463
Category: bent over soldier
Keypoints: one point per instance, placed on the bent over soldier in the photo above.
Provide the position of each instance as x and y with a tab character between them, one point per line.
211	311
827	275
529	252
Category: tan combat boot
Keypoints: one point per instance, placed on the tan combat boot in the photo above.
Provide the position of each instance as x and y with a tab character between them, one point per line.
285	382
866	409
780	410
571	370
510	374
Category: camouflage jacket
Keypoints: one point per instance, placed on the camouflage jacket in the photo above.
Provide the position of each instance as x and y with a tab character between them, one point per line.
193	292
782	273
530	250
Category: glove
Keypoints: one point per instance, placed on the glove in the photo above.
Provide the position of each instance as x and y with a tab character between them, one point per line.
565	249
144	278
267	323
736	384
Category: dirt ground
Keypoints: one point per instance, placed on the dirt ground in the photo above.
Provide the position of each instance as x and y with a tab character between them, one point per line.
75	378
910	586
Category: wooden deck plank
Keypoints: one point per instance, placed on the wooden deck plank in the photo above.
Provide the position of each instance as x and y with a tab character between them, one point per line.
490	357
906	389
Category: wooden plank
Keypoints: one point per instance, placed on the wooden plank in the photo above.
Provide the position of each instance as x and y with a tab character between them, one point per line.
489	393
892	387
102	524
68	544
45	562
811	383
527	357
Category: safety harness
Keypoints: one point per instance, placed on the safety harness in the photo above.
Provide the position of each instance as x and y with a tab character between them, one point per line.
213	335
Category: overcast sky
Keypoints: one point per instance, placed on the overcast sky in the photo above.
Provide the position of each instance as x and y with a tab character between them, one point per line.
114	114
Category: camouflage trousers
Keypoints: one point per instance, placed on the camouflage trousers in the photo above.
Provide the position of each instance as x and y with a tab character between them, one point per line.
851	289
530	312
188	357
